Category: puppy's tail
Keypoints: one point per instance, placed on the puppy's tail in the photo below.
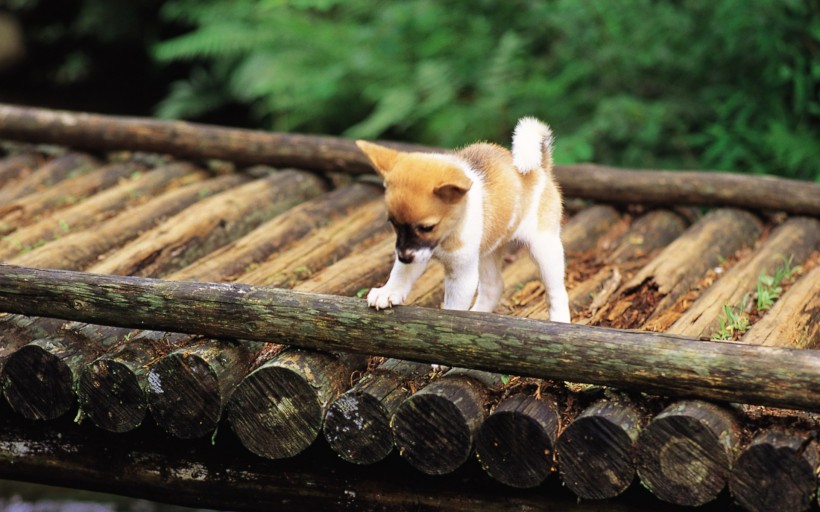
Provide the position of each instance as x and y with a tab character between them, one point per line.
532	145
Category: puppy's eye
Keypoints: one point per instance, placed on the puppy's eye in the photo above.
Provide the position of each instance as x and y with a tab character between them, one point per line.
426	229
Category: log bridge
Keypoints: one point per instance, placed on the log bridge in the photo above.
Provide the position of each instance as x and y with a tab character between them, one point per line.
186	300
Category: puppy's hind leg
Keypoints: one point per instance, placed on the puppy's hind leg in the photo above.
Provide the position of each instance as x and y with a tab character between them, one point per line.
490	283
548	252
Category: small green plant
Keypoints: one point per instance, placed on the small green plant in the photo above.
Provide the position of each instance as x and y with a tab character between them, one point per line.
768	287
361	293
64	226
733	323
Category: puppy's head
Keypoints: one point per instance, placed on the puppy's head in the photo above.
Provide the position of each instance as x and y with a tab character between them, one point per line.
424	195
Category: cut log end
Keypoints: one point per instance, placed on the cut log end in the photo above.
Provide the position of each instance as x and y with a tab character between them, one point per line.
265	418
515	444
110	395
357	428
184	395
37	384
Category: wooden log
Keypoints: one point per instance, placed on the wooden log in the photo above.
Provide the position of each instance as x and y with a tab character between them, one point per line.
794	320
675	269
239	257
190	387
793	240
357	424
17	331
650	362
25	209
77	251
210	224
13	167
777	471
685	453
596	456
46	175
516	443
334	154
453	408
263	410
128	192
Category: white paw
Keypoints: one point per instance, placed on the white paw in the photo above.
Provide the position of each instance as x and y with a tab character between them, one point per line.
382	298
560	315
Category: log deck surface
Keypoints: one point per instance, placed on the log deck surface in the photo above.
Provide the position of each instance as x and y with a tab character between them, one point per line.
628	268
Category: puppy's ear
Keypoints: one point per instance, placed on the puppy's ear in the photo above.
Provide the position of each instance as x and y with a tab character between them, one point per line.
382	158
452	193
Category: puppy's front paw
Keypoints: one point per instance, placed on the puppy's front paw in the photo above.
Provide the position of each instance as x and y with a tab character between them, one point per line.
382	298
560	315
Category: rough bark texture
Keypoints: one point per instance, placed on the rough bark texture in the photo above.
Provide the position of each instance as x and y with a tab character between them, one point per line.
794	321
452	409
211	223
777	471
46	175
794	240
334	154
650	362
685	453
102	206
78	251
357	424
515	444
22	211
596	455
17	167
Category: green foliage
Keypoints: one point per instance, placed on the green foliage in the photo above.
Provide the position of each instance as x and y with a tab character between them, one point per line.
734	322
768	287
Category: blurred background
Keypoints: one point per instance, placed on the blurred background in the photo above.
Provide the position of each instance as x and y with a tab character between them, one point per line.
698	84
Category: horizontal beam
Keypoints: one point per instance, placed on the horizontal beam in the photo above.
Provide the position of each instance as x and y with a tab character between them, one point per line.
644	361
324	153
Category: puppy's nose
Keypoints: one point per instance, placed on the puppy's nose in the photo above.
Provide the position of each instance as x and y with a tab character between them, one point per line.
405	256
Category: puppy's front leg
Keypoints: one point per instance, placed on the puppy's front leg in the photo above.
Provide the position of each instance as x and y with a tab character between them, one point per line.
398	286
460	284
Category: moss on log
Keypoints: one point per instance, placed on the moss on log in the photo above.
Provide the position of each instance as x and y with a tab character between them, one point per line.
777	471
686	452
516	443
650	362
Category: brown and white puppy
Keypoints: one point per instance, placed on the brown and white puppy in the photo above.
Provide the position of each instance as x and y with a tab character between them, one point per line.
463	208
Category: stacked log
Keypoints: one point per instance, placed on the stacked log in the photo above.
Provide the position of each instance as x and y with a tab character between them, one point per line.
45	176
16	167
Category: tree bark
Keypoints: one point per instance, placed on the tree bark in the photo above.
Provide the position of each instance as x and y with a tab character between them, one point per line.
17	167
649	362
46	175
777	471
794	321
794	240
596	455
685	453
98	208
516	443
18	213
334	154
78	251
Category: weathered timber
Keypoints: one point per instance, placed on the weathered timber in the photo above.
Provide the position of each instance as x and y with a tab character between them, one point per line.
516	443
189	388
15	167
647	234
128	192
77	251
357	424
596	456
51	172
794	320
453	408
686	452
17	331
237	258
658	285
650	362
25	209
39	378
277	410
210	224
147	464
792	241
777	471
334	154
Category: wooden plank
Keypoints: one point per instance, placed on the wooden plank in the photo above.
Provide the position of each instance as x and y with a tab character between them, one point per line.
650	362
48	174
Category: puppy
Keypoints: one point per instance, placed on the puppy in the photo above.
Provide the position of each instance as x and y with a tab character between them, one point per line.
463	208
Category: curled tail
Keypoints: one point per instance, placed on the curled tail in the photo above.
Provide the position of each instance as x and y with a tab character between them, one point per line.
532	145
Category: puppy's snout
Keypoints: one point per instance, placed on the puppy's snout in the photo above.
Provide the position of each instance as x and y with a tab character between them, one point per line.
405	255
